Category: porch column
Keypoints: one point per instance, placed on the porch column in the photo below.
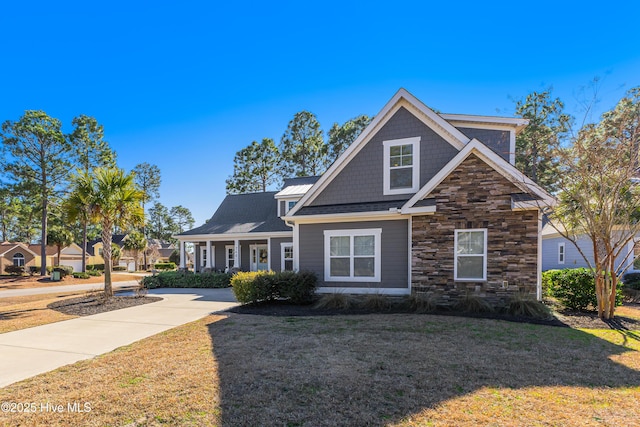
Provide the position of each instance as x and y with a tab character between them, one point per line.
209	266
183	254
236	252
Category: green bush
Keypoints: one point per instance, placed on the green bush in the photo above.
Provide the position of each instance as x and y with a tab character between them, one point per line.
527	306
165	266
14	269
250	287
97	267
547	277
94	273
34	269
575	288
81	275
186	279
119	268
632	281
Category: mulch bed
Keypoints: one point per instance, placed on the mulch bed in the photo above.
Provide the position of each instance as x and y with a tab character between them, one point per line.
570	319
96	303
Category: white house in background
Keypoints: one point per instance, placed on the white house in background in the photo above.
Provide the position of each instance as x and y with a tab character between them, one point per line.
559	253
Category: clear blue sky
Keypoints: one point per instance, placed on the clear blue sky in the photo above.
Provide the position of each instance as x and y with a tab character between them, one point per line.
184	85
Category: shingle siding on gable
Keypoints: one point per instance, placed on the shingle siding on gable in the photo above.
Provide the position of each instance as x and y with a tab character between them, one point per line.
362	179
497	140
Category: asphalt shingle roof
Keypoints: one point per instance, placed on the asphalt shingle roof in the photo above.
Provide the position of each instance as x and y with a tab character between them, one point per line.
244	213
350	207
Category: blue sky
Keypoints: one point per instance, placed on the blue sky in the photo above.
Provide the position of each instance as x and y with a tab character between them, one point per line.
184	85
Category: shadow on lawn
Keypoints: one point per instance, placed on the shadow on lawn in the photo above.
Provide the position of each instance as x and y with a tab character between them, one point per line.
380	369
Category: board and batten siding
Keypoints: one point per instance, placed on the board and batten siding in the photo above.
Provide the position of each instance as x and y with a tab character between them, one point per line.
362	180
394	257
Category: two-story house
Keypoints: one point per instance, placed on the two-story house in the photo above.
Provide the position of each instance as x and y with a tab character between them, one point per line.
420	202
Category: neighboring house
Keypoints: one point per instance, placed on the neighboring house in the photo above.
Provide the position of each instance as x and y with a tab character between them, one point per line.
95	248
29	255
160	252
420	202
559	252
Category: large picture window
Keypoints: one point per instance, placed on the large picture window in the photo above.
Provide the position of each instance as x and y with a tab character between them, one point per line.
470	254
352	255
401	165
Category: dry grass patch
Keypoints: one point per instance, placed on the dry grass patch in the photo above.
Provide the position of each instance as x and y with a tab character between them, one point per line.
167	379
391	369
27	282
28	311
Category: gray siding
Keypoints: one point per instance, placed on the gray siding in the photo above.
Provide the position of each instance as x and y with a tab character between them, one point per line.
573	259
362	180
497	140
394	257
275	253
282	207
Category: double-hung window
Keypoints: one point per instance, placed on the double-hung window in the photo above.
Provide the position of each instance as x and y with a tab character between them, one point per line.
470	251
229	255
561	253
401	166
352	255
286	253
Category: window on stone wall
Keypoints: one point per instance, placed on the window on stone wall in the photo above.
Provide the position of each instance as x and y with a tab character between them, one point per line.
470	250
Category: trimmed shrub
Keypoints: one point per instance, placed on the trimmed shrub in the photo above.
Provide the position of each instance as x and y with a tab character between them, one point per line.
81	275
98	267
119	268
251	287
165	266
547	278
575	288
632	281
94	273
186	279
14	269
64	270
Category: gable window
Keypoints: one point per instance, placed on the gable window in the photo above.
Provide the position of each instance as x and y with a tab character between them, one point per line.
401	166
470	249
352	255
18	259
286	256
561	253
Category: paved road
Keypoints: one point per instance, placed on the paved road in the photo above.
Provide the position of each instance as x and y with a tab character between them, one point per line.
33	351
62	288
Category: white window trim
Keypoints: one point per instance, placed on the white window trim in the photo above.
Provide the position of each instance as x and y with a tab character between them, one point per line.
226	255
203	257
455	256
286	205
284	245
16	257
253	265
375	232
415	142
562	253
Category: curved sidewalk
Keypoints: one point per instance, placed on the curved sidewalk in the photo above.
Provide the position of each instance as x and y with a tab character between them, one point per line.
32	351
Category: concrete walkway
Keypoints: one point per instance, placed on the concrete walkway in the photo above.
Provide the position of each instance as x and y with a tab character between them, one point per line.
64	288
32	351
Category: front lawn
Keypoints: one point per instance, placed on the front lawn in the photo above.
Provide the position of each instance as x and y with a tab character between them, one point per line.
32	310
378	369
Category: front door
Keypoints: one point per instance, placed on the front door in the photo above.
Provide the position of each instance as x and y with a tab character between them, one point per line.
259	257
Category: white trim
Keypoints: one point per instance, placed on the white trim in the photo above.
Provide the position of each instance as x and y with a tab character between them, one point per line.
409	251
499	164
455	255
539	269
347	217
402	98
226	256
183	253
237	261
512	147
211	255
284	245
296	247
256	247
203	257
478	120
529	205
227	237
269	253
365	291
429	210
19	245
351	233
415	165
562	254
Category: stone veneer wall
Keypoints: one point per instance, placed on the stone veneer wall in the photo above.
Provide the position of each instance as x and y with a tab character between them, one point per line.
475	196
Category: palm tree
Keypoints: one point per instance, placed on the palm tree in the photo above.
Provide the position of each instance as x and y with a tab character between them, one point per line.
111	198
134	243
59	237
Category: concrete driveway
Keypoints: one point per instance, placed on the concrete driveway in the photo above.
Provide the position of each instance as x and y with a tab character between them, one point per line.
32	351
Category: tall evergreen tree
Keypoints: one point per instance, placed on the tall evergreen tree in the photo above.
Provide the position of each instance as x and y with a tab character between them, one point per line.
342	136
255	168
302	146
37	152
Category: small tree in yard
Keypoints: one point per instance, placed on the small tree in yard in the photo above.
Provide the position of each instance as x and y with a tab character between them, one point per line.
600	194
112	199
134	243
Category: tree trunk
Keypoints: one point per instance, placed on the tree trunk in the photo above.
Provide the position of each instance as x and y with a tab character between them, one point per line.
43	236
84	245
106	254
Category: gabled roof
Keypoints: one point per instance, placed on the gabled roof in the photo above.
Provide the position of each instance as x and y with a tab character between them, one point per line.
402	98
499	164
8	246
116	238
469	120
243	213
